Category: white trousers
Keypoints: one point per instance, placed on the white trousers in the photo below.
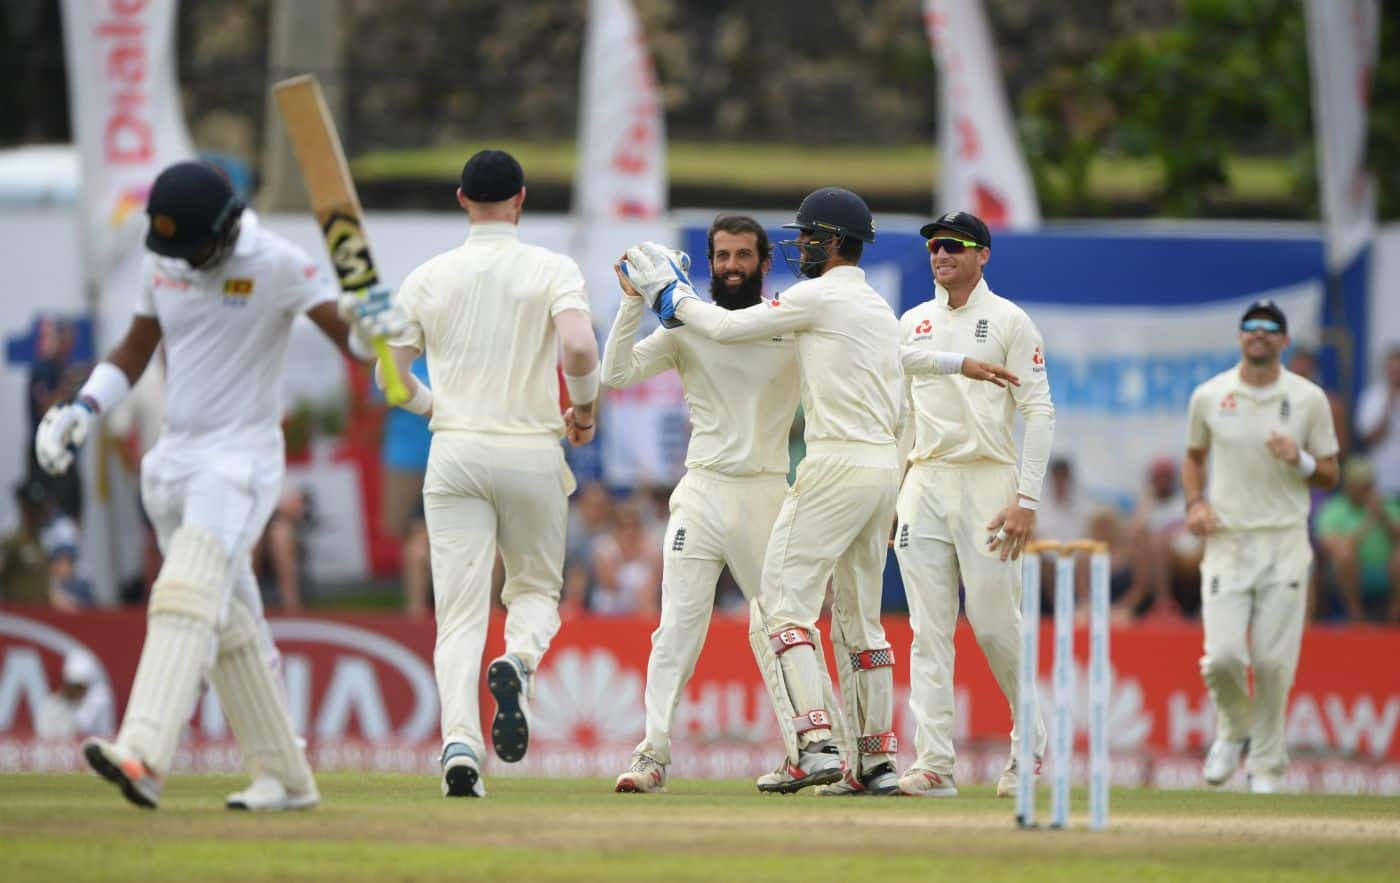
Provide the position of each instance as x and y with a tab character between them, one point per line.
942	535
479	495
715	520
230	497
1254	590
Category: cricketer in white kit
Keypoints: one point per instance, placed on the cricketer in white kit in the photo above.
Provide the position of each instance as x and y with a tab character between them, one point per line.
965	510
834	521
221	294
490	315
1269	437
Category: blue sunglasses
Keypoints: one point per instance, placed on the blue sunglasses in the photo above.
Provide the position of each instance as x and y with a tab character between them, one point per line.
1268	325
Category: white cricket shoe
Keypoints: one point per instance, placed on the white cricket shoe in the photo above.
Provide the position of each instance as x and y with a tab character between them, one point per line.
818	765
882	781
645	776
510	729
927	783
1263	783
128	772
1222	760
266	794
1009	782
461	773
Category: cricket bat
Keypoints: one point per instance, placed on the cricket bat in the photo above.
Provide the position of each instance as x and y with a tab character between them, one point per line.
334	201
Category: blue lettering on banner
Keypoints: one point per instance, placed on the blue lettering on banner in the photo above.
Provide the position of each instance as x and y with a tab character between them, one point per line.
1127	384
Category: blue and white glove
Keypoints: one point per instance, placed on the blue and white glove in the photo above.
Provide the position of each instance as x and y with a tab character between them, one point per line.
59	435
659	275
372	314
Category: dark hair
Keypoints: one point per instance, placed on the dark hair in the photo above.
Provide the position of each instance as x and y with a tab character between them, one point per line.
739	224
850	248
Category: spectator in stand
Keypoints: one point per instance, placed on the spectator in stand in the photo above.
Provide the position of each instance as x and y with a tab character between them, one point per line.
1063	516
1303	362
1129	585
1162	548
52	380
590	516
81	706
405	461
628	565
279	552
1360	530
24	566
1378	421
69	590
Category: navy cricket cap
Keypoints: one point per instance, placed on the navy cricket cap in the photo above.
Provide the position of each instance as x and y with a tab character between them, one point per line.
191	205
491	176
965	223
1266	309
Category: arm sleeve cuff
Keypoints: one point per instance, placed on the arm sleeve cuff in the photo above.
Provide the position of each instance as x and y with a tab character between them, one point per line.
584	389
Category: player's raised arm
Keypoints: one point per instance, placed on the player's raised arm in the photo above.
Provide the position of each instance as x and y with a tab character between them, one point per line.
625	361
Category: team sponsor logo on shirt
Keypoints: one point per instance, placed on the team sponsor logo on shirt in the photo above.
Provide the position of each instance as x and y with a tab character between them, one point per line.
980	333
160	280
1228	405
924	330
1038	361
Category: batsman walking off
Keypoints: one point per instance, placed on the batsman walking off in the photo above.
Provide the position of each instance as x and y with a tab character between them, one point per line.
490	315
221	294
1269	436
965	511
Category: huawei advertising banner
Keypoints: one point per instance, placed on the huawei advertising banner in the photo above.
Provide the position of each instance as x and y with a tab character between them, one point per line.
361	691
981	169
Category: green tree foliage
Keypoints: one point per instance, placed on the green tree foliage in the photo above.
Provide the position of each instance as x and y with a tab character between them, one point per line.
1230	78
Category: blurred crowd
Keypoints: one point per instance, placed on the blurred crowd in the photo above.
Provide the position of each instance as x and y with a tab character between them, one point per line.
613	558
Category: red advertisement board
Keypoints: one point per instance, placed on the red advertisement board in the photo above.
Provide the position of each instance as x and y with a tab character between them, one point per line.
361	689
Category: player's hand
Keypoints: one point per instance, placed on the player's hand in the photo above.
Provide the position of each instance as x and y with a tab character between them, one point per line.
976	369
1201	518
372	314
579	429
1011	530
627	287
59	434
1283	447
658	273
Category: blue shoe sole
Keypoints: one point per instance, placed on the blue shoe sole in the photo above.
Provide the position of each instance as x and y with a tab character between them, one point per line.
510	732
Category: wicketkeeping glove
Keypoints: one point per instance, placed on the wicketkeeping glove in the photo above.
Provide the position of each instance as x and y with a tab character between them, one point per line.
659	274
59	434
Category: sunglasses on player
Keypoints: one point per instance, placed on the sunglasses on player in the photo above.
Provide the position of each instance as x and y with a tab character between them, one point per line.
1266	325
950	245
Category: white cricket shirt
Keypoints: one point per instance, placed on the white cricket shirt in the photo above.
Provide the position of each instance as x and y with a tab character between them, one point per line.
484	315
848	353
957	420
742	397
225	333
1248	487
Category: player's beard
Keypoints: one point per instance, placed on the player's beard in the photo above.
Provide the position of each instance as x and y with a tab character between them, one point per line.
748	293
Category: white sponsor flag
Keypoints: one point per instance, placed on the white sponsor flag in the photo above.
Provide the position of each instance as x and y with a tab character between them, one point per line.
127	120
1343	44
622	131
981	169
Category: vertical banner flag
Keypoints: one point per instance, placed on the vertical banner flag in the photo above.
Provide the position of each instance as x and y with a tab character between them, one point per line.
622	132
619	200
128	124
126	113
1343	44
981	168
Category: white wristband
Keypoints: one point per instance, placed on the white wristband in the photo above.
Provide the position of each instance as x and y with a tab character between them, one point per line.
1307	463
421	402
105	388
1027	504
949	363
583	389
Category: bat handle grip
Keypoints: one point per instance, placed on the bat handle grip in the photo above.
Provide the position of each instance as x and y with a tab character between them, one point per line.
395	392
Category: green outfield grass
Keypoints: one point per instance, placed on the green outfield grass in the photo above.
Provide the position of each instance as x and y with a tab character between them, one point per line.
871	170
384	827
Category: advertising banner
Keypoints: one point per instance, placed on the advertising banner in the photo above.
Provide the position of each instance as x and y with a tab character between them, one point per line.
361	690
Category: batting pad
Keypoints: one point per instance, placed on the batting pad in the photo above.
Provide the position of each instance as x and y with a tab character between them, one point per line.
867	699
180	622
255	705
